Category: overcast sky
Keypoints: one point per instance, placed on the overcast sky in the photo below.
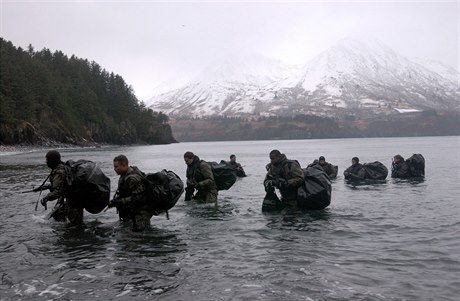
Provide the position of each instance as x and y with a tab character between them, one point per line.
150	42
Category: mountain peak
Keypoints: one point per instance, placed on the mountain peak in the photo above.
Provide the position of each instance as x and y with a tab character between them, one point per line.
349	76
248	68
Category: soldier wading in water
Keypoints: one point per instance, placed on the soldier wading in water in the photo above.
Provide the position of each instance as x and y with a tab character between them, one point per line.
131	197
201	178
284	174
66	208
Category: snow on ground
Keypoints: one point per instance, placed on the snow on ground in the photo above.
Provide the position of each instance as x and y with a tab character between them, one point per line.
407	110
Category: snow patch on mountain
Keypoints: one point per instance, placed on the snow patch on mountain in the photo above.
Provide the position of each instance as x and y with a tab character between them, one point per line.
349	76
444	70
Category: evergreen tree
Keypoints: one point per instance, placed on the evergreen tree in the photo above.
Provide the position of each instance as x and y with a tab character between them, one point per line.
44	94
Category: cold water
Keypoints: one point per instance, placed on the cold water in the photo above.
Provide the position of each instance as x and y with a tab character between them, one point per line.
394	240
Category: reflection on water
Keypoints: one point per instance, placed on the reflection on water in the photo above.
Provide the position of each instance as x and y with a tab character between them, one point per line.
413	181
376	241
366	184
289	219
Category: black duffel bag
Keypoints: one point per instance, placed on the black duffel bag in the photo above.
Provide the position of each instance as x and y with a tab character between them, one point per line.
315	191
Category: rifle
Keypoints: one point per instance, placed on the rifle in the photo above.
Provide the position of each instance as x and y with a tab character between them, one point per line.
41	188
126	207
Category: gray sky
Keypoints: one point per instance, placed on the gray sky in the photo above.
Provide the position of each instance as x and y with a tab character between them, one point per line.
150	42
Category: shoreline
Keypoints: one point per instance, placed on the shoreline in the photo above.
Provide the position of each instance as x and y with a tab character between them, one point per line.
6	150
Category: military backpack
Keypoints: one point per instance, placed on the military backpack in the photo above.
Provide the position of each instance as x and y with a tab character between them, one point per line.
224	175
375	171
164	189
87	184
416	165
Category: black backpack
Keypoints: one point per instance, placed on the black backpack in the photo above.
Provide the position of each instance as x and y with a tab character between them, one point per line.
416	165
164	189
375	171
224	175
167	187
88	185
315	191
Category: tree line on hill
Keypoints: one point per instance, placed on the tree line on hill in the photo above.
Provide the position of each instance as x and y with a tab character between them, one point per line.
221	128
47	96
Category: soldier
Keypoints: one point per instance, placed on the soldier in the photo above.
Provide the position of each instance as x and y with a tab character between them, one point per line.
237	167
284	174
399	168
330	169
66	208
356	171
131	197
201	178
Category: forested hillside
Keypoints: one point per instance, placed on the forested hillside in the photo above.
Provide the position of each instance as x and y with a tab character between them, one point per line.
46	97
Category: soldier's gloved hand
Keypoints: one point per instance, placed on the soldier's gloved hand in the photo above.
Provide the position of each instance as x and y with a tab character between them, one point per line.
281	183
268	185
188	197
191	185
44	201
117	202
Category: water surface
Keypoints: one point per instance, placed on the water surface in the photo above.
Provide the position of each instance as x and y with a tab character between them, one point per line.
395	240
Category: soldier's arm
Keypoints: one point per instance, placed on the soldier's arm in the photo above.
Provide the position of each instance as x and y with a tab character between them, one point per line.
268	179
190	189
405	171
360	175
296	175
58	187
138	190
333	172
207	175
395	171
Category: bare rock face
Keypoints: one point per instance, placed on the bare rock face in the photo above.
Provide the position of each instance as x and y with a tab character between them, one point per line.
23	133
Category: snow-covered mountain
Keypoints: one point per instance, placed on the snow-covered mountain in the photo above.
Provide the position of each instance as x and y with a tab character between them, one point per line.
228	86
442	69
349	76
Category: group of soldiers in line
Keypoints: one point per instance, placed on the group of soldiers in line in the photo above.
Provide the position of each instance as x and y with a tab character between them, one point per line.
130	199
131	196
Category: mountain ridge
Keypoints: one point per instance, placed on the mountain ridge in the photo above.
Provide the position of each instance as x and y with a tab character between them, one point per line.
351	75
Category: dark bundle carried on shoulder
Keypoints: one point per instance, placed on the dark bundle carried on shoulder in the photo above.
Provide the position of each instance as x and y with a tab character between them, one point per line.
165	188
416	165
375	171
224	175
316	190
87	185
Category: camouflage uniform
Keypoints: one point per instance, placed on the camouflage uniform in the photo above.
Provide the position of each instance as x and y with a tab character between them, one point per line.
400	170
355	172
66	207
288	172
330	169
238	168
132	193
201	178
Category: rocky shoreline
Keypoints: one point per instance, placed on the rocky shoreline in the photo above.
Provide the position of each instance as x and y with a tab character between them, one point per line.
23	148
